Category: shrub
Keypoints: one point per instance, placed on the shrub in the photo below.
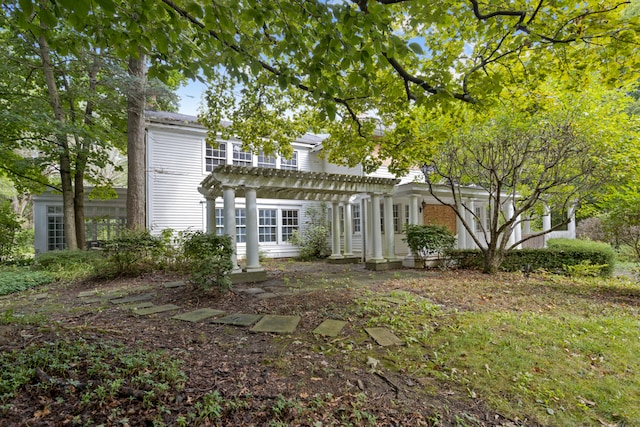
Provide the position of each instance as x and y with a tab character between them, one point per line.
135	251
429	240
313	241
9	227
209	259
70	265
18	281
559	257
592	229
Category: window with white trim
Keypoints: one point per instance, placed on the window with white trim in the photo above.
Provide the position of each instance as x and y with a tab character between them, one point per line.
267	225
356	218
382	218
241	158
219	221
290	164
290	223
397	209
215	156
266	161
406	214
241	225
55	228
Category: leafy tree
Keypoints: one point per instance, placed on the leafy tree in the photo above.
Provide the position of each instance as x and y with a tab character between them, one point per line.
526	155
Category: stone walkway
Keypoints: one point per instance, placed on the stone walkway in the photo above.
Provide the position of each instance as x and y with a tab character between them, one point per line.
142	305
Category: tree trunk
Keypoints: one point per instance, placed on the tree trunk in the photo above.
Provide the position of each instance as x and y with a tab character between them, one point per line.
61	138
136	150
493	258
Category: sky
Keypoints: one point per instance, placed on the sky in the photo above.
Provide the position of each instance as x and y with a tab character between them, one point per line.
190	97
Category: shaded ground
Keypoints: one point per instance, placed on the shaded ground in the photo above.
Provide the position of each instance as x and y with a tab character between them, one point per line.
297	379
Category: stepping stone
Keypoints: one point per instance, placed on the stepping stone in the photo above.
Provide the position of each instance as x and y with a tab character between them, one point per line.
156	309
140	305
238	319
277	324
96	299
198	315
266	295
383	337
133	298
330	328
85	294
171	285
39	296
253	291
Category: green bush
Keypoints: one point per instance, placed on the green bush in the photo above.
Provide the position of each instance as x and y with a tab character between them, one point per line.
429	240
559	258
209	259
21	280
9	227
313	241
134	252
70	265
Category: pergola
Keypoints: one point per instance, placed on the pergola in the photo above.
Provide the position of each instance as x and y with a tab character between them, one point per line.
230	181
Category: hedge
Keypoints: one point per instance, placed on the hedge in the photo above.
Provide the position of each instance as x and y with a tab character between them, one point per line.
555	258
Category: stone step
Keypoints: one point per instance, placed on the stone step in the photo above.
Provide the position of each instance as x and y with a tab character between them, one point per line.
383	337
199	315
238	319
330	328
156	309
132	298
277	324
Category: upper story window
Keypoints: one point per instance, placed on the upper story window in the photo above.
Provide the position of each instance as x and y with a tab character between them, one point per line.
215	156
266	161
290	164
241	158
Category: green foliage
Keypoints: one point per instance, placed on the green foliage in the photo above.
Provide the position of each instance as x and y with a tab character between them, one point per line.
101	371
313	241
561	256
21	280
135	251
9	228
71	265
209	259
429	240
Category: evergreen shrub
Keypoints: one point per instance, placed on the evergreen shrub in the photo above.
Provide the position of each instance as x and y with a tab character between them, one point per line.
208	257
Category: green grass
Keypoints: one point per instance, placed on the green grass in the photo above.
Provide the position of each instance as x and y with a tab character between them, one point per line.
20	280
572	360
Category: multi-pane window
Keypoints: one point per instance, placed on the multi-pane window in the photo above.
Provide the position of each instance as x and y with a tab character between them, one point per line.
55	228
406	214
241	225
241	158
267	225
290	223
290	164
219	221
103	228
382	217
215	156
266	161
396	218
356	218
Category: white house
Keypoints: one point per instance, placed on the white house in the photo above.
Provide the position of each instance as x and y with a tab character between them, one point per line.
260	200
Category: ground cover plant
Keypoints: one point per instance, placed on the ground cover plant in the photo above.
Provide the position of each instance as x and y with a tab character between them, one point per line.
478	350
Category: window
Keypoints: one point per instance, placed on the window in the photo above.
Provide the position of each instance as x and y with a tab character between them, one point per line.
406	214
214	157
241	158
241	225
292	164
289	223
219	221
55	228
382	218
267	225
477	219
356	218
266	161
397	209
103	227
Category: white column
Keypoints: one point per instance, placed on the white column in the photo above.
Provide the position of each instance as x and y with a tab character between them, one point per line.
211	215
348	230
509	216
376	234
517	231
253	263
460	230
526	226
335	231
546	222
389	231
414	217
471	220
571	226
229	197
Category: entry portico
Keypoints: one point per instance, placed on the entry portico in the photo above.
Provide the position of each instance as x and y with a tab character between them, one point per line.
251	183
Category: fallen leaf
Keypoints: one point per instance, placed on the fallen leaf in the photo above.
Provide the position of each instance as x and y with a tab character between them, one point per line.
43	413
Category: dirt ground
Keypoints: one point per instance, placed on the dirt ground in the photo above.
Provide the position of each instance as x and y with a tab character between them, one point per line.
258	369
